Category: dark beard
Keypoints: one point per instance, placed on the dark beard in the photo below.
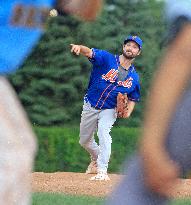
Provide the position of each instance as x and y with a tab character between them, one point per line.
129	57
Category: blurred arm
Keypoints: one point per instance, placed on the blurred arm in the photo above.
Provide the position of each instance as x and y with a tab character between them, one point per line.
172	77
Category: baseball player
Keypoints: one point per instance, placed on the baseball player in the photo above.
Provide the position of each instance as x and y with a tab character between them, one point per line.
165	148
110	75
22	24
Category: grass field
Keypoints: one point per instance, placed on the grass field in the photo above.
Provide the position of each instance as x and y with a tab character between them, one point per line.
181	202
61	199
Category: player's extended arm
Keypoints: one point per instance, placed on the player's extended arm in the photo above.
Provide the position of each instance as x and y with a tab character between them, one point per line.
80	49
174	72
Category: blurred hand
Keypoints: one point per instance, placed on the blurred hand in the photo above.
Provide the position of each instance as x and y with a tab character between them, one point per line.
75	49
161	173
85	9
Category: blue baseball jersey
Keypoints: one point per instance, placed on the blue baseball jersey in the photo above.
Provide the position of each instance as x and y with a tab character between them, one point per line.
104	85
21	26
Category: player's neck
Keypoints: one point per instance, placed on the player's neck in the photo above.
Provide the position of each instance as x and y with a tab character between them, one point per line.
124	62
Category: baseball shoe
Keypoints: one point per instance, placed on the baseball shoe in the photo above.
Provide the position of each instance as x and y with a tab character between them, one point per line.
92	168
101	176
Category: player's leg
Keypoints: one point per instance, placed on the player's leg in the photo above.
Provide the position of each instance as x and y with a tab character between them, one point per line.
17	149
88	126
106	120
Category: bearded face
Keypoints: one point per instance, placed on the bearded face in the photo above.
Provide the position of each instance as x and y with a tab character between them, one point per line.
130	50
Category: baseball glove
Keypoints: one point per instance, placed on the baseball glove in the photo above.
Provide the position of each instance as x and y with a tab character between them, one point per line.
122	105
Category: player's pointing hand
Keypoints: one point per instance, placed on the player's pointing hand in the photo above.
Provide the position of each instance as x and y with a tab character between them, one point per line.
75	49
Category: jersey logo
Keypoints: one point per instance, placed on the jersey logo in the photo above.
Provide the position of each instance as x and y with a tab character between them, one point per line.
134	37
111	75
127	83
29	16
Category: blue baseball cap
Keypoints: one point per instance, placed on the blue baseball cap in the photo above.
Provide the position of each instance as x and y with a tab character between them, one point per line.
136	39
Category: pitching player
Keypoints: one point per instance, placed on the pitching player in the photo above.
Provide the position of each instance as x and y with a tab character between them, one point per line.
22	24
165	149
110	75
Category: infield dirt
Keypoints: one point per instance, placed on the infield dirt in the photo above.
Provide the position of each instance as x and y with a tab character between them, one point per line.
79	184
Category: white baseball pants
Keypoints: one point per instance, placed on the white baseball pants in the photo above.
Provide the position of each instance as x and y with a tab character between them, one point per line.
93	120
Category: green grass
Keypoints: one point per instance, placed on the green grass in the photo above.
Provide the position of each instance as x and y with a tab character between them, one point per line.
62	199
181	202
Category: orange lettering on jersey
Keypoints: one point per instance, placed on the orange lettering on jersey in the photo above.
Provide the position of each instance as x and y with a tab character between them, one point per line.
29	16
127	83
111	75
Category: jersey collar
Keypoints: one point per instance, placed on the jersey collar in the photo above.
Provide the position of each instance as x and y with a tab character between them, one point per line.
131	68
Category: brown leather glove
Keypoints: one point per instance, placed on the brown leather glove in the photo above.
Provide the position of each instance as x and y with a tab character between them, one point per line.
122	105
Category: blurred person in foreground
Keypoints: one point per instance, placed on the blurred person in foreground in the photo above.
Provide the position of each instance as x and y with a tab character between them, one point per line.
22	24
153	175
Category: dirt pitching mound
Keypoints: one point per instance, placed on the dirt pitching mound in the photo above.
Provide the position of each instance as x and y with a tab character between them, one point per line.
79	184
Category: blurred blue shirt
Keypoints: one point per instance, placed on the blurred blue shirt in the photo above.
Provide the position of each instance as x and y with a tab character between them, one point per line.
21	26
